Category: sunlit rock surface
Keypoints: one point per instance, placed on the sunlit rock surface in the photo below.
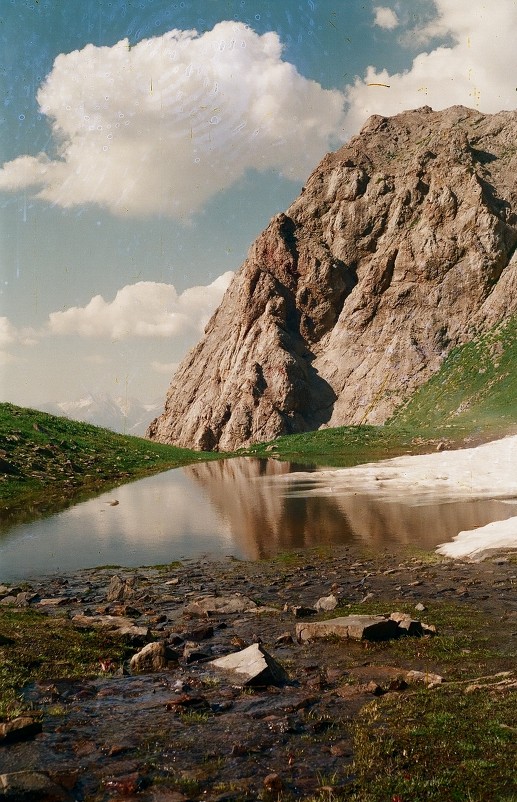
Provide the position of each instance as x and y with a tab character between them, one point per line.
400	246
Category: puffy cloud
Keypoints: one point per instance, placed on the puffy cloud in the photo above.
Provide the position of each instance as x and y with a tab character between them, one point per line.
144	309
8	333
11	335
385	18
477	70
161	126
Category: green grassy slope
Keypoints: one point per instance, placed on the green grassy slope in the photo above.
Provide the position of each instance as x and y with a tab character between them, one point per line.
472	398
475	391
48	461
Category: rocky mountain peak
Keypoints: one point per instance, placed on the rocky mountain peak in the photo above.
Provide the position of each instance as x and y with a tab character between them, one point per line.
400	246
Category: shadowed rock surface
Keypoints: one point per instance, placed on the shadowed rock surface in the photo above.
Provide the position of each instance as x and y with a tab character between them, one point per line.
400	247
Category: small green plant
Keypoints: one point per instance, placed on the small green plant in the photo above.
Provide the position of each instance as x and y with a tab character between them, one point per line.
43	648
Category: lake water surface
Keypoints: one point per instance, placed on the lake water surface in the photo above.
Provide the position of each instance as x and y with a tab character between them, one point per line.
247	508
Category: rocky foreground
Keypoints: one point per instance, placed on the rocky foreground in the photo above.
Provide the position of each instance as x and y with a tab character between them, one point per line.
401	246
231	693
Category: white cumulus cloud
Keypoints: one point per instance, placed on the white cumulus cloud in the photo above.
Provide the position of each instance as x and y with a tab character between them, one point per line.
144	309
12	335
161	126
8	333
478	69
385	18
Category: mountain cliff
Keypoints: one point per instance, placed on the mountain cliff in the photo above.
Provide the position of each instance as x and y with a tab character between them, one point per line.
400	246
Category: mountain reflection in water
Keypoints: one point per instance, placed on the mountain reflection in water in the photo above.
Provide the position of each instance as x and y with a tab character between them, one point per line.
267	517
244	507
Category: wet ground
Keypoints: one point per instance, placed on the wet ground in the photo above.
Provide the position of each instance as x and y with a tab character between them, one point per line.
190	732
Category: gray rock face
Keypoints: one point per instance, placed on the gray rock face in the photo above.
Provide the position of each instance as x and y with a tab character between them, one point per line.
22	786
400	246
252	666
350	627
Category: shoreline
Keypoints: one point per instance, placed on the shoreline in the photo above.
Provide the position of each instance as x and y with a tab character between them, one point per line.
185	733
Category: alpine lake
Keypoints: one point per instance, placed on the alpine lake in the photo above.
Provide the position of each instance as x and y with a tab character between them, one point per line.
247	508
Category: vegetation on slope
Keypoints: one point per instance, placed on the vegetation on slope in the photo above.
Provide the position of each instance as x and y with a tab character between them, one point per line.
472	398
474	392
47	462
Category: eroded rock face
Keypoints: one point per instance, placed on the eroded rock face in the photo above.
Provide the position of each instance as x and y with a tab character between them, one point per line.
400	246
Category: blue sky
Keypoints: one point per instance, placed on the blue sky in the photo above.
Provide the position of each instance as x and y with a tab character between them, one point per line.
146	143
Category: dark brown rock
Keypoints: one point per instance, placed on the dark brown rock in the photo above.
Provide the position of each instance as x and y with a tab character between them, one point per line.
19	729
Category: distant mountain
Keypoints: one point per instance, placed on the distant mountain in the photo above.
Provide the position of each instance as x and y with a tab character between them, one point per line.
401	247
124	415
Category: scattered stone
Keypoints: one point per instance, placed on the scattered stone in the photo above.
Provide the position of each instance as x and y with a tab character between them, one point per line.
113	623
202	632
356	627
19	729
30	786
326	603
428	679
299	611
407	625
58	601
129	784
284	639
7	601
220	605
120	589
197	702
420	607
253	666
193	654
153	657
273	783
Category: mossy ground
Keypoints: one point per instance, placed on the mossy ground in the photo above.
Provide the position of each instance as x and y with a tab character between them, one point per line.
443	744
48	462
37	648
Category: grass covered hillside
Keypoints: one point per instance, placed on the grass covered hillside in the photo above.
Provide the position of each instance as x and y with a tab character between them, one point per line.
473	397
47	461
475	391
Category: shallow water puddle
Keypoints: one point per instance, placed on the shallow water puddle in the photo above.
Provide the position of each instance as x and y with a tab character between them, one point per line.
248	508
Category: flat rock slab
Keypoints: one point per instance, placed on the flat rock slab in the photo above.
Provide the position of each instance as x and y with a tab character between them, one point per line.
19	729
220	605
114	623
30	785
253	666
350	627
